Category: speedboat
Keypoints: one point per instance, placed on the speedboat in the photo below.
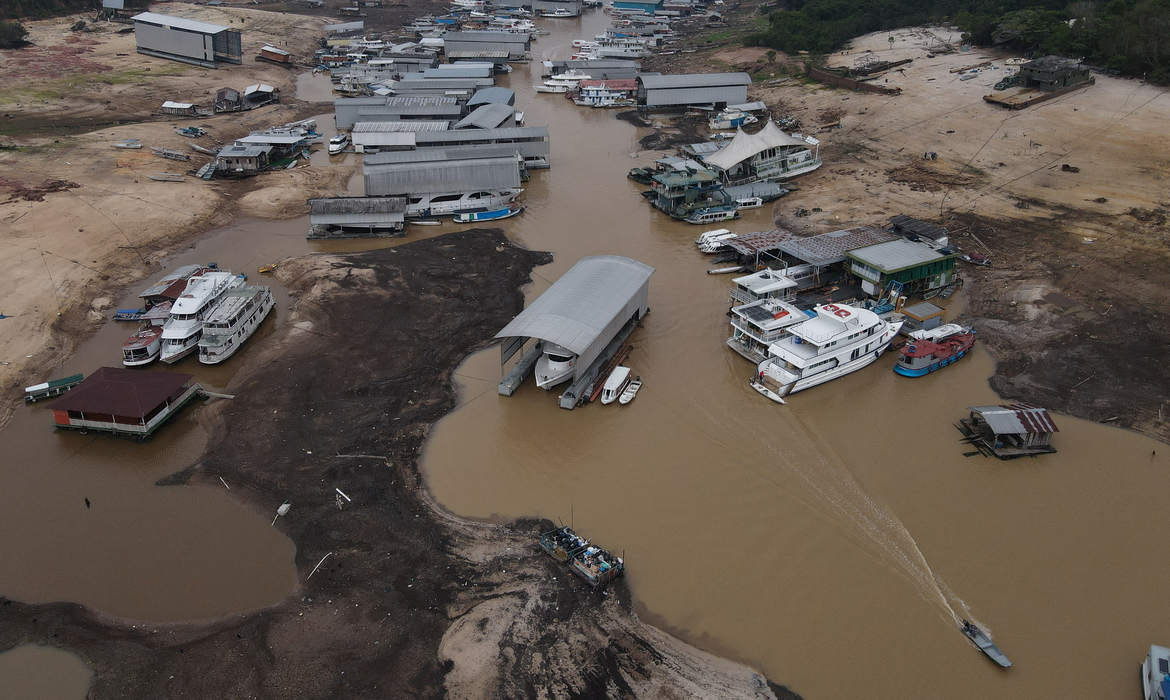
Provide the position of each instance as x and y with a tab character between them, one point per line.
559	12
839	340
470	217
184	327
615	385
337	144
1156	674
554	366
981	640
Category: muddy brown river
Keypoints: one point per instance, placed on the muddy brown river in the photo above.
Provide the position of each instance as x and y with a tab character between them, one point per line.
833	543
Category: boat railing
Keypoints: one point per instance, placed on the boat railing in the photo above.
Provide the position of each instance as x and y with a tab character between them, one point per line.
756	332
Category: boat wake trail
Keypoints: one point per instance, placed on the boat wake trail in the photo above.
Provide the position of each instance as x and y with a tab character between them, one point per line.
832	489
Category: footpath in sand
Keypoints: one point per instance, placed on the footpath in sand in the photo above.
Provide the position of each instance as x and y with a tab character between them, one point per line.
1073	306
103	223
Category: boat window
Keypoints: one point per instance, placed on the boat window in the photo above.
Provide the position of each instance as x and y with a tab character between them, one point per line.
446	198
560	358
1164	665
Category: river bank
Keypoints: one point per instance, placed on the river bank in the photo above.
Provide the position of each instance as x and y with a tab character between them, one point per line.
395	596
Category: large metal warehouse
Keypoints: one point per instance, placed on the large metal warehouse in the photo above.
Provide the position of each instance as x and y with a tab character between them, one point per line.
395	113
431	155
178	39
531	141
449	177
590	311
356	217
718	89
517	45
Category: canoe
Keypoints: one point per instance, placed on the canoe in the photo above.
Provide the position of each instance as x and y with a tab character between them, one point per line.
981	640
631	391
129	143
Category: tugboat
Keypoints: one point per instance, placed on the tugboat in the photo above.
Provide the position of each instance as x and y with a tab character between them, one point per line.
981	640
921	357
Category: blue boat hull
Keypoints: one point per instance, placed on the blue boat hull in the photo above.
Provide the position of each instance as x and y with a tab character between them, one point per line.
929	368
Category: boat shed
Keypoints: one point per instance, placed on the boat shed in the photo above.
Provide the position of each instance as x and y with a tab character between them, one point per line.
548	7
590	310
917	266
187	41
648	7
492	95
1008	431
408	179
465	69
395	113
531	141
491	116
123	401
517	45
345	27
717	89
498	58
356	217
433	155
597	68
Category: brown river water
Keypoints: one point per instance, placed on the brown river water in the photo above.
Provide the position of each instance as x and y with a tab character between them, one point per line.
832	543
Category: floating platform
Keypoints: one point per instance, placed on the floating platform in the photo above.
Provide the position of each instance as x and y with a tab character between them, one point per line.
1019	98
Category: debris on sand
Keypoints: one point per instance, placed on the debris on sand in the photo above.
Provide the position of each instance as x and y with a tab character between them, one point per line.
19	190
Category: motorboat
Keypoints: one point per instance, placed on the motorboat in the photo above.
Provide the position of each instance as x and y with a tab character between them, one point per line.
585	44
562	83
714	234
712	215
431	205
559	12
338	143
471	217
750	203
710	244
143	347
128	143
184	327
981	640
631	391
234	319
731	119
920	357
555	365
617	382
938	333
1156	674
839	340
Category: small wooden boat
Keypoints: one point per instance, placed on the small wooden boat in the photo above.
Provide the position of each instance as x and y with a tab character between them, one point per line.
200	149
128	143
129	314
981	640
170	154
268	269
631	391
725	270
471	217
166	177
193	132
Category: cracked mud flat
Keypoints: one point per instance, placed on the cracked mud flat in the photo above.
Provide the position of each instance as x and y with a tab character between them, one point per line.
409	601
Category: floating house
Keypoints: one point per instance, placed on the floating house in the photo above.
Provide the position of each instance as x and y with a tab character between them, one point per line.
682	193
237	159
180	109
918	267
589	312
187	41
702	89
275	55
917	230
124	401
356	217
1008	431
768	155
1051	73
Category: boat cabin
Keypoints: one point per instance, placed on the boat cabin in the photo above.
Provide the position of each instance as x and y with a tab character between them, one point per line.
1156	674
923	316
757	325
1008	431
618	379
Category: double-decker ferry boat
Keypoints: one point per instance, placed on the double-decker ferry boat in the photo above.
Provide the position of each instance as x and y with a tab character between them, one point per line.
839	340
234	319
184	327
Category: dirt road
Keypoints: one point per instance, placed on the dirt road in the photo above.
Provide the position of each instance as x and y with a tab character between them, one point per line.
396	598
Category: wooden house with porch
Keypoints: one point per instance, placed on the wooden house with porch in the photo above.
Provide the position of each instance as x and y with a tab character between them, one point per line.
124	402
1008	431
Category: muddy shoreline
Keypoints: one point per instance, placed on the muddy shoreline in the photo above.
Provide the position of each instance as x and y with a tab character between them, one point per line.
409	601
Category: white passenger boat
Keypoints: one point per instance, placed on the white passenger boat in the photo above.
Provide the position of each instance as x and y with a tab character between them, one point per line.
712	243
232	321
841	339
750	203
429	205
554	366
562	83
615	385
337	144
184	327
631	391
1156	674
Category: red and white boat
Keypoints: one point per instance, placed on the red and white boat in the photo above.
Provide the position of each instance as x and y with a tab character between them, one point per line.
921	357
143	347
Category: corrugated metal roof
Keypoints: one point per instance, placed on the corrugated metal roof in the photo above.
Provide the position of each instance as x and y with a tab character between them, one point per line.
380	139
694	80
273	139
447	110
420	100
455	55
357	205
1016	419
486	37
441	178
410	83
492	95
412	125
579	306
473	71
695	96
514	132
121	392
896	255
487	117
587	63
758	242
450	153
238	151
917	227
177	105
829	248
345	27
189	25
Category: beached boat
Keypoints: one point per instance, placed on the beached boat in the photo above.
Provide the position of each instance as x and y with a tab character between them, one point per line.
840	340
631	391
712	215
205	151
128	143
268	269
143	347
337	144
470	217
921	357
193	132
232	321
981	640
731	119
166	177
1156	674
554	366
431	205
596	566
184	327
615	384
562	543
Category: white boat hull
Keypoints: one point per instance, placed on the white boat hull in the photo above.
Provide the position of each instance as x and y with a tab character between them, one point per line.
171	356
247	329
549	373
556	90
788	388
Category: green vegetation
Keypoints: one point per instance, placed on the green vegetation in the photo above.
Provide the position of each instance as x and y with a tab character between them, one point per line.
1132	36
13	35
16	9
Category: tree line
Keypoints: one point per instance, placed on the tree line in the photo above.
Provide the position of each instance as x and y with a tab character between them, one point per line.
1131	36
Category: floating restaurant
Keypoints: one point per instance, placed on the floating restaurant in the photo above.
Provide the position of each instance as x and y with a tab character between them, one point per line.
124	402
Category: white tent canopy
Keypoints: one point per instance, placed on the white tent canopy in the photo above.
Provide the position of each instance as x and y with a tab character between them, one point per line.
746	145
